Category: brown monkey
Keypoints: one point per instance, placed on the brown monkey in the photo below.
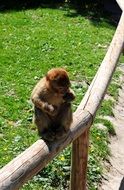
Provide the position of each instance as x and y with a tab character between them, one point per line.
52	98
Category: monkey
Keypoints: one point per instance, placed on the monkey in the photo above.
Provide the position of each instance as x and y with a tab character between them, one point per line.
52	97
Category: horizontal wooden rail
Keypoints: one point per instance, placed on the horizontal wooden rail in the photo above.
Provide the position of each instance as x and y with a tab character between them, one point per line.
33	159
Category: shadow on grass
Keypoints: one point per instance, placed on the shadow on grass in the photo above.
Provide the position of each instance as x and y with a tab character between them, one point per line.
108	11
17	5
95	11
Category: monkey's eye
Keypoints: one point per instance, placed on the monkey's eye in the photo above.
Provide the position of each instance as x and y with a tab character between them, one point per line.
63	83
61	88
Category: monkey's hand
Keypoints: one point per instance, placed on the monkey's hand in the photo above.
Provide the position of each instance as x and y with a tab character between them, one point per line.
69	96
50	109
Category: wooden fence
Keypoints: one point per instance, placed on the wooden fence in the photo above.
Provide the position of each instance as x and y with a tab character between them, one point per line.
37	156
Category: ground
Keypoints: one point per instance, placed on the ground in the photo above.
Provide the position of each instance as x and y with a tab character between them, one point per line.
114	175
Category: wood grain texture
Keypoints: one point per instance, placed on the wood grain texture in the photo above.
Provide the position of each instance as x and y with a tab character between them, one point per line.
79	162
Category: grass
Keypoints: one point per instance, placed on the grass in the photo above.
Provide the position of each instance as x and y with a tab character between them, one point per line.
31	42
108	124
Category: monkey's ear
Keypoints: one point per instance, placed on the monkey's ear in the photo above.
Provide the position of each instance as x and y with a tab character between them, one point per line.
47	77
52	77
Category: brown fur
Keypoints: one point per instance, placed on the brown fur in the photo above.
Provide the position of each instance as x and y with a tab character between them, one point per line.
52	98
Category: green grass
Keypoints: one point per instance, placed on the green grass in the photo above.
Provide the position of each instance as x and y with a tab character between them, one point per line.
108	124
32	42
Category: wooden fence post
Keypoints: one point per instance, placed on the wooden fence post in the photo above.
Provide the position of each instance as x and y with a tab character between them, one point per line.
79	162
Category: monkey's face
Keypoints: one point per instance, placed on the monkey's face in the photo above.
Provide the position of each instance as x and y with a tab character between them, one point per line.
61	89
58	80
60	84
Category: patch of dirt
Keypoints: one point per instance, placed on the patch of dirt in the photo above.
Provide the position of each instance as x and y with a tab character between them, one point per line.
113	178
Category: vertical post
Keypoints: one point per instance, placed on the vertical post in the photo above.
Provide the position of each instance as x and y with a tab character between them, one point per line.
79	162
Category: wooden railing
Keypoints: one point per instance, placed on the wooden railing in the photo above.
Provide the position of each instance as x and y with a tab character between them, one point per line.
37	156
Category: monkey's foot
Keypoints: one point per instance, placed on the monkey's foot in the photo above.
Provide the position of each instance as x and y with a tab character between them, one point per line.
60	133
47	136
